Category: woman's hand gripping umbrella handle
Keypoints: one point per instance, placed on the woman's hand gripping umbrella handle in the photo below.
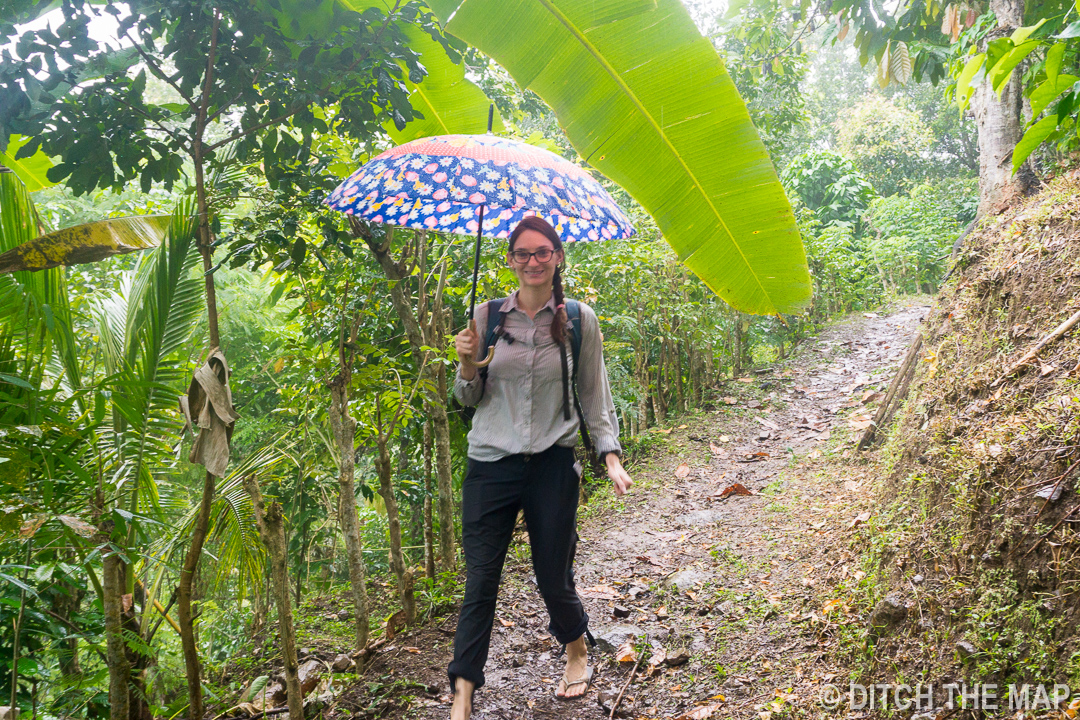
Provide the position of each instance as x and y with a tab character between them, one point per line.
490	351
466	344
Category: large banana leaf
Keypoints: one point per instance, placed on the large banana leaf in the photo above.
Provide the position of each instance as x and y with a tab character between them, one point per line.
32	170
86	243
448	101
35	319
645	99
143	329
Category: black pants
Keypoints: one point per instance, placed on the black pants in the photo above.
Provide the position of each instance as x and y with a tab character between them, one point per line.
545	486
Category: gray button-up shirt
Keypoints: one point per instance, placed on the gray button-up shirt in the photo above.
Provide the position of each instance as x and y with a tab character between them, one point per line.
520	408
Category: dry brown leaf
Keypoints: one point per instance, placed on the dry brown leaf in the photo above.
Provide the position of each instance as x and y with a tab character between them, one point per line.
831	606
859	519
31	525
860	422
683	427
768	423
416	650
626	653
700	713
746	380
504	623
81	527
601	592
682	471
715	449
736	489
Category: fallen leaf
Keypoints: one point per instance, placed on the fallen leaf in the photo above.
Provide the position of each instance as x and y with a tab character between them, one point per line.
683	427
831	606
746	380
661	612
824	436
871	396
728	400
859	519
505	623
715	449
682	471
860	422
416	650
1045	370
736	489
626	653
601	592
725	439
700	713
768	423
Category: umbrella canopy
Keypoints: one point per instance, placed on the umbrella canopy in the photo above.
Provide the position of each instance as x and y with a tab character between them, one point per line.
447	183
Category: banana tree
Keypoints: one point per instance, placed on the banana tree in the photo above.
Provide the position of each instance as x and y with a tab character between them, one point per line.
645	99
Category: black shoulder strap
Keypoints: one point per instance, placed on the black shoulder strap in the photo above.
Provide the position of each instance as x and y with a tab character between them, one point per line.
573	313
494	325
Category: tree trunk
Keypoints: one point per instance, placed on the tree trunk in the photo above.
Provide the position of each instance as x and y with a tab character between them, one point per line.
659	406
429	530
443	473
344	429
384	466
1000	123
202	520
271	524
112	585
422	333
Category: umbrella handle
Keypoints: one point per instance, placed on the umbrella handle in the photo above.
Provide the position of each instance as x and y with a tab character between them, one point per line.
487	361
490	351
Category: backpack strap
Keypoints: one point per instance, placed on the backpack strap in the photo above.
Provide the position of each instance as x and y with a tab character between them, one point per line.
573	314
494	329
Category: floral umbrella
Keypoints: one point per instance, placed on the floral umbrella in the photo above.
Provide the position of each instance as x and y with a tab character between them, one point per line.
479	184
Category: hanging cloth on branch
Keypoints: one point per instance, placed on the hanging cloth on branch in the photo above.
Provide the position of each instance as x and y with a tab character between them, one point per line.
209	400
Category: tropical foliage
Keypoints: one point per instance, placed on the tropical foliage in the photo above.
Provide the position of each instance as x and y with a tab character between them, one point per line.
209	134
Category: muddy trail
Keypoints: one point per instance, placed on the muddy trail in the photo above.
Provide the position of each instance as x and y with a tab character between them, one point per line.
717	602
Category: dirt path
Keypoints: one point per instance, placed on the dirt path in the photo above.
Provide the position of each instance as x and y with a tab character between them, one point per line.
728	589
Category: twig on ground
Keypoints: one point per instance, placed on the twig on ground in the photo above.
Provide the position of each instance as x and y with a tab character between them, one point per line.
618	700
1033	352
1039	541
1054	491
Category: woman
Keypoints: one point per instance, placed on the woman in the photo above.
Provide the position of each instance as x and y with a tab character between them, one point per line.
521	456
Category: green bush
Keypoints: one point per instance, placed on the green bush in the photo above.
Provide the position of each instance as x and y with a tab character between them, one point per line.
911	235
831	186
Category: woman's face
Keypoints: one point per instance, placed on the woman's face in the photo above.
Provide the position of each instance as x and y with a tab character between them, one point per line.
533	273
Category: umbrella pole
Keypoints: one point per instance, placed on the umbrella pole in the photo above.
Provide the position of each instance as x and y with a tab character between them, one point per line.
476	264
472	298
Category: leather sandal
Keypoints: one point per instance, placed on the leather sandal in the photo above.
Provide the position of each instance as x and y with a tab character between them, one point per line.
566	685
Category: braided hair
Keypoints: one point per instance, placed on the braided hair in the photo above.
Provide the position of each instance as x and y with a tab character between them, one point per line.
542	226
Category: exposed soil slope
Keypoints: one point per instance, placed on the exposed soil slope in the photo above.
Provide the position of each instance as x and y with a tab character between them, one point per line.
981	503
